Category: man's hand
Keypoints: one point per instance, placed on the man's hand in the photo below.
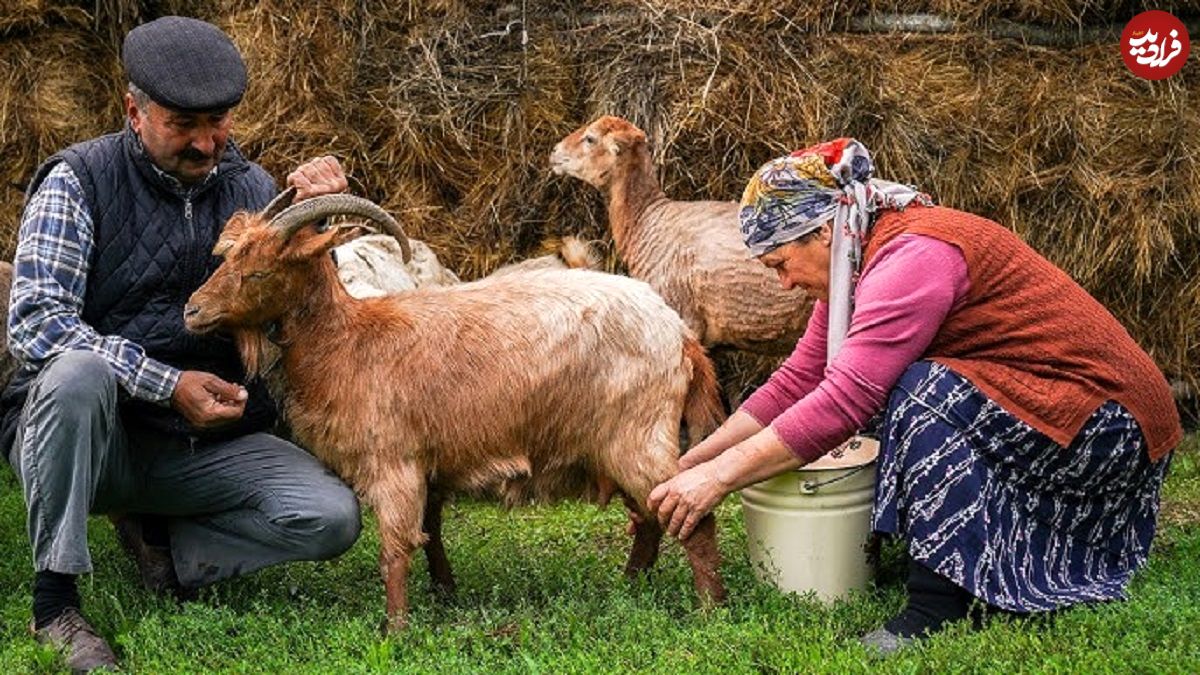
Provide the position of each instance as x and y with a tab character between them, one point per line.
320	176
683	501
207	401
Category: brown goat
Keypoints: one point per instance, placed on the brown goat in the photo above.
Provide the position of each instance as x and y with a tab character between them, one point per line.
532	385
690	252
7	363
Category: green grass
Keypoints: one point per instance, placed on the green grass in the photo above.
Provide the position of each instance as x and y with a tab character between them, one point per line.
541	591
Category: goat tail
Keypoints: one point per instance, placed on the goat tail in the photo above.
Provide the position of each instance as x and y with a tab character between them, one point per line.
702	408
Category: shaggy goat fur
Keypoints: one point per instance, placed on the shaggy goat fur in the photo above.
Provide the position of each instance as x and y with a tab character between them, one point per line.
373	266
7	363
690	252
532	385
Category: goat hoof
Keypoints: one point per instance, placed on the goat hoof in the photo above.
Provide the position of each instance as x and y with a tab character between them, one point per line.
445	592
712	596
393	625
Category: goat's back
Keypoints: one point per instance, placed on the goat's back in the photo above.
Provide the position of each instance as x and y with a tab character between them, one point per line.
546	369
693	253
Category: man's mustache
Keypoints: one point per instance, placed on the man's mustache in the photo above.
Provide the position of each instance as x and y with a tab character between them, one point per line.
193	155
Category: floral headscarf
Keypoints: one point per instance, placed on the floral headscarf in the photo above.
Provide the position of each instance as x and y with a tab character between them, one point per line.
791	196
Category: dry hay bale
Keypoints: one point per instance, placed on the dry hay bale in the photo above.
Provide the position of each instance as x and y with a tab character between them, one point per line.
47	102
1093	167
470	113
112	19
740	373
835	15
446	110
19	17
1102	179
108	19
301	60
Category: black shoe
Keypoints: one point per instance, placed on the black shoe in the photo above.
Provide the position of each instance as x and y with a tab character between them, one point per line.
155	565
83	647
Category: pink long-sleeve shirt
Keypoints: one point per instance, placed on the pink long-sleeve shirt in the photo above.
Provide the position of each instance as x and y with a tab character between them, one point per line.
902	297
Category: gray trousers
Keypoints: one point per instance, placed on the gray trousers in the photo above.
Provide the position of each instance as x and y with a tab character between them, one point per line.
233	506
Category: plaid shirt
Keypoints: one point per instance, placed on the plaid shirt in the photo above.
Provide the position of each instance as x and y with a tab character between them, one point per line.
44	313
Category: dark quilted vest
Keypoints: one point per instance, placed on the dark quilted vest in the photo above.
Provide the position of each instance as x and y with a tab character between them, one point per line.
152	249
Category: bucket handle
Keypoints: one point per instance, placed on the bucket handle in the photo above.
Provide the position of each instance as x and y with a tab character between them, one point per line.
809	487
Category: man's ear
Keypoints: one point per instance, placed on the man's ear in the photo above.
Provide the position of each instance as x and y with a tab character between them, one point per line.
132	113
309	242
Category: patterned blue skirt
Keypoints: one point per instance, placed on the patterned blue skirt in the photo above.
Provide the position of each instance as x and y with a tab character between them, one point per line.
1003	511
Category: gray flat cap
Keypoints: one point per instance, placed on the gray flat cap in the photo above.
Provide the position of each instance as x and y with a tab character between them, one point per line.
185	64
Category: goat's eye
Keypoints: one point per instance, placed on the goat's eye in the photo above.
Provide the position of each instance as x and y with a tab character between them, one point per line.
589	139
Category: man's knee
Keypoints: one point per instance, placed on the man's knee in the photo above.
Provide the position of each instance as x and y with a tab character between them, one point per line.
343	522
332	524
77	381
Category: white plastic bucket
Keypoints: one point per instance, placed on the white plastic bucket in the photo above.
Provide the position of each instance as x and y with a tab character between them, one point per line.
808	529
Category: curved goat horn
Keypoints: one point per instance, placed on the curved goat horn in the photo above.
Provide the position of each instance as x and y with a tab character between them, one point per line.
280	202
308	211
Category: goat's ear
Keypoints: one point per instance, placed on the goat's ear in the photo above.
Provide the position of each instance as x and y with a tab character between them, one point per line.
237	224
624	139
310	242
222	247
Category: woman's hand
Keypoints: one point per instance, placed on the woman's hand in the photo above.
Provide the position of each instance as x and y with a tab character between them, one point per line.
683	501
698	455
736	429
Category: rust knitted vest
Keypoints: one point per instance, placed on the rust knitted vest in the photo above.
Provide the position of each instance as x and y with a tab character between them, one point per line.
1032	339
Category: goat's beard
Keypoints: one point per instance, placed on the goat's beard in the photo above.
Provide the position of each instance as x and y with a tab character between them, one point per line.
257	352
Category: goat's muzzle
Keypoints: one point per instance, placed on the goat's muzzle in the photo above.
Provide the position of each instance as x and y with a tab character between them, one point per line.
194	320
559	160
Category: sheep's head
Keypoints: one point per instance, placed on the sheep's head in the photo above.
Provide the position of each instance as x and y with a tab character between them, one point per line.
269	259
591	152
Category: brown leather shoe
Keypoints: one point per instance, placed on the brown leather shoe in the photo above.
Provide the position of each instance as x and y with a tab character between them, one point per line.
83	647
155	565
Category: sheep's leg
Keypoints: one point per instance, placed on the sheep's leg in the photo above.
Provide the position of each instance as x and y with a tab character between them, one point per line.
439	566
705	559
647	536
399	504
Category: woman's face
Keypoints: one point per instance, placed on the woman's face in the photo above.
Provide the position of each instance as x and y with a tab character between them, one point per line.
803	263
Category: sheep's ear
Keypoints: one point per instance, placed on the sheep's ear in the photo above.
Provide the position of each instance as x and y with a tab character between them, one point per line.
311	242
348	232
222	247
